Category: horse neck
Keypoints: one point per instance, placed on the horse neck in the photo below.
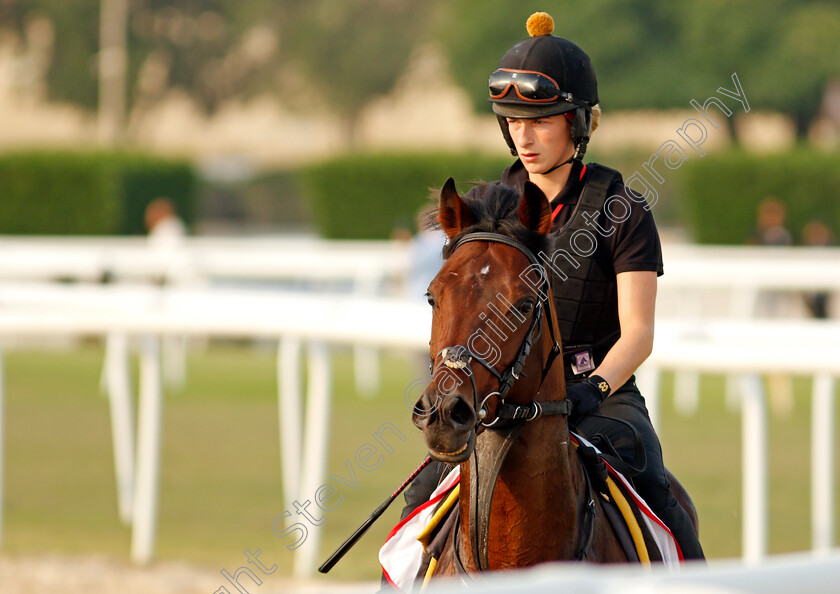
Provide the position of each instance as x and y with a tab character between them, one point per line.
535	501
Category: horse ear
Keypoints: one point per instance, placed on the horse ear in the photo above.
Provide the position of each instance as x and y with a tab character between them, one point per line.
534	210
453	213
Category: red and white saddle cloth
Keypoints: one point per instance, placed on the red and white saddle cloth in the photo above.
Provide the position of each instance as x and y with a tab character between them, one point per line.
668	548
402	554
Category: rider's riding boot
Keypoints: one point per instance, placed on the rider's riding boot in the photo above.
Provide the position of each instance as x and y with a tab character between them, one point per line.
678	521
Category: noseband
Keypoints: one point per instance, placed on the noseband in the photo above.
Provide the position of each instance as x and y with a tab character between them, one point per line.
460	357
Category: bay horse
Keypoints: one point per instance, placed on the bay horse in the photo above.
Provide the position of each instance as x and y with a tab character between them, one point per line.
524	496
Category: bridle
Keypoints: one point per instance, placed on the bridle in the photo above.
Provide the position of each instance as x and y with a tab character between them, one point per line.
460	356
503	436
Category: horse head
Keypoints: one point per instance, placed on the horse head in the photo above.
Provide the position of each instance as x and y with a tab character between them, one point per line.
491	304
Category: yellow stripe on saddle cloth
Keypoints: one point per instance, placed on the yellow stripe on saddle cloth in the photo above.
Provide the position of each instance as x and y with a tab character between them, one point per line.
616	496
427	534
630	519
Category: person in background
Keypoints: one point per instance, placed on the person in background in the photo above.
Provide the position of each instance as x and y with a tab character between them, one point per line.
770	226
165	229
771	230
817	234
166	233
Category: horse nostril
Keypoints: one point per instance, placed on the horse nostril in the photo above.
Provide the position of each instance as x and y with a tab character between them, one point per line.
460	414
424	410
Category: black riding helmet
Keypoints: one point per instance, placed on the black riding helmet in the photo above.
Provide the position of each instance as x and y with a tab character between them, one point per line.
544	76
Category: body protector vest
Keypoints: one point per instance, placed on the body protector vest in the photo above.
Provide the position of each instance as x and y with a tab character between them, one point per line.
583	278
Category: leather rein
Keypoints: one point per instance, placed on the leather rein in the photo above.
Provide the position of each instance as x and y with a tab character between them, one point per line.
497	444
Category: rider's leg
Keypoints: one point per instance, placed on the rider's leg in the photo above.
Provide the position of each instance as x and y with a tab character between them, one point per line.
626	403
417	493
421	488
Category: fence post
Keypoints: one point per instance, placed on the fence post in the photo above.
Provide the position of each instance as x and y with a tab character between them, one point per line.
822	463
648	379
2	439
754	467
366	366
289	410
148	453
317	441
118	384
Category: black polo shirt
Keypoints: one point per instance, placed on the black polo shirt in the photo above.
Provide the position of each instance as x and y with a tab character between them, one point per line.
633	246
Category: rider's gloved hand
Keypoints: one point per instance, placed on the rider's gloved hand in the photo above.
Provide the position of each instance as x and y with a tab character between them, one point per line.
586	396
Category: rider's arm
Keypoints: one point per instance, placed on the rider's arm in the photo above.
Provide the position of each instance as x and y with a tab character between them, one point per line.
636	305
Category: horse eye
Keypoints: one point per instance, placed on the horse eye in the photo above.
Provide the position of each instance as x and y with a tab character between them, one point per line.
430	299
526	307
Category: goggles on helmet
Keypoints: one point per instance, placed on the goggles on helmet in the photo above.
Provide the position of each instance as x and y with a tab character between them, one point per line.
530	86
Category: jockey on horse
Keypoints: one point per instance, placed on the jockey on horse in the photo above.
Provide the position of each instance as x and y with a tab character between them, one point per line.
605	264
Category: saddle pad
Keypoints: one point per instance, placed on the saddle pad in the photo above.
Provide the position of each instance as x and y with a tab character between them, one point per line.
622	532
402	553
660	534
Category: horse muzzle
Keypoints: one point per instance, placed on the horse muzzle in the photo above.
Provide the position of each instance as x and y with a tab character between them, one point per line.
448	424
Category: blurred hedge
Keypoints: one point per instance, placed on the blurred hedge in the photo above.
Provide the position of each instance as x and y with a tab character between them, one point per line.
370	196
97	193
49	193
721	192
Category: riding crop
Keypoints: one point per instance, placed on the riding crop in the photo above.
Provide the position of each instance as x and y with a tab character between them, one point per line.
360	531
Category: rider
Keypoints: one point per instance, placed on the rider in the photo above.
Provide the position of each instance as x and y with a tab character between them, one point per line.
545	96
607	253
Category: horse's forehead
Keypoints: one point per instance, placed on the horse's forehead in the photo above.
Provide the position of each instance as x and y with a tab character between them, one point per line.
482	262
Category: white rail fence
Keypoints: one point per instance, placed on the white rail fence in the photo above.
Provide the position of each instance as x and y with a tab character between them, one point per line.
742	347
201	259
119	312
361	267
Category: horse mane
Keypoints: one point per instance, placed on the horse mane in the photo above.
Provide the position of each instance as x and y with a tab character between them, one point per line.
495	207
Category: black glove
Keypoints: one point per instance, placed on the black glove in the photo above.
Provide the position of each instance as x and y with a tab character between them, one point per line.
586	396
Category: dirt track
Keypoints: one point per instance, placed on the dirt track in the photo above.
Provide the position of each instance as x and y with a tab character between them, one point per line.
101	575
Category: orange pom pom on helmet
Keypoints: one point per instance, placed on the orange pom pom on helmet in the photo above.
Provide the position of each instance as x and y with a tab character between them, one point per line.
539	23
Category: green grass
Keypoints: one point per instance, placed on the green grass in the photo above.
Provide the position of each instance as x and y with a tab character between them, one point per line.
221	487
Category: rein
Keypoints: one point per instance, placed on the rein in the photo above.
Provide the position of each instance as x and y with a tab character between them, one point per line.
496	444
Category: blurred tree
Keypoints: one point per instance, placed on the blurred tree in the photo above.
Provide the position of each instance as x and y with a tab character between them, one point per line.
631	45
328	54
71	73
796	69
661	54
212	50
336	55
785	52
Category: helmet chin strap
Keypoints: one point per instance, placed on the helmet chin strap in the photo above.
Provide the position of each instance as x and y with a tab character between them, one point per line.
580	125
575	155
559	165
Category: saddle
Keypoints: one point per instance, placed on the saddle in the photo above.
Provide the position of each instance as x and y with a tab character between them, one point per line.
624	515
641	534
644	538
